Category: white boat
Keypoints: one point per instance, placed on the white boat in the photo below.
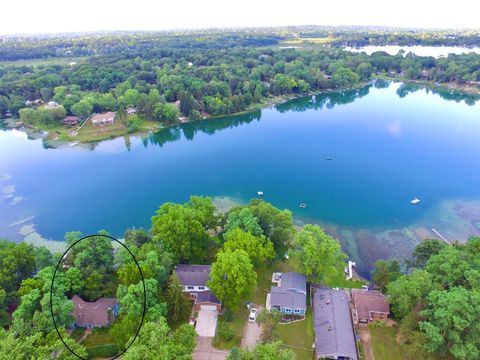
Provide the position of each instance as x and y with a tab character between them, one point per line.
415	201
75	143
303	205
260	193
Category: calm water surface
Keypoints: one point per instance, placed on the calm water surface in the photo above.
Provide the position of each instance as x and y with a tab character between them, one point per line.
388	143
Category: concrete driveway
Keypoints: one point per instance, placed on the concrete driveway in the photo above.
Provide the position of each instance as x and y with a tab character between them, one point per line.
205	351
252	332
206	323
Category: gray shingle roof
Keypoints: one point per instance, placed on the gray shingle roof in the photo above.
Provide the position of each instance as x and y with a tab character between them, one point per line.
332	322
95	313
206	296
291	292
194	275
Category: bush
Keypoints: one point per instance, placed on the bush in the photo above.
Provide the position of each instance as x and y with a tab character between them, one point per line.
225	332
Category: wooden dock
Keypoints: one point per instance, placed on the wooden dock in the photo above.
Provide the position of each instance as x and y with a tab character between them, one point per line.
441	236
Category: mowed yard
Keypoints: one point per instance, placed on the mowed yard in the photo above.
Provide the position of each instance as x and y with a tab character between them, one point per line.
100	344
386	346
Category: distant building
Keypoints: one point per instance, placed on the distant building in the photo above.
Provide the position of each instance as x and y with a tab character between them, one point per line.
332	323
131	111
99	313
369	305
290	296
103	119
52	105
194	279
71	120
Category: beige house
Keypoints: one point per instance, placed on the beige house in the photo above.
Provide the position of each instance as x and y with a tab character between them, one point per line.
103	119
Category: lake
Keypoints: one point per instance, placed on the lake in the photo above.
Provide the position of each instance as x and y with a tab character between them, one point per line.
435	51
357	158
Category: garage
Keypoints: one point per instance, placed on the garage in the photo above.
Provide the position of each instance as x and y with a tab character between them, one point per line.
208	307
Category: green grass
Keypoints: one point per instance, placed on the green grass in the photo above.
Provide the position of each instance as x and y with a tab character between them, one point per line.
299	336
99	337
237	324
46	62
385	346
77	333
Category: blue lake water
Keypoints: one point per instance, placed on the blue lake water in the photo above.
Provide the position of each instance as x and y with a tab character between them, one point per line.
388	144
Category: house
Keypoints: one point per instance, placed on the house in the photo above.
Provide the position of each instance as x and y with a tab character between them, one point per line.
369	305
103	119
332	323
194	279
131	110
51	105
290	296
71	120
99	313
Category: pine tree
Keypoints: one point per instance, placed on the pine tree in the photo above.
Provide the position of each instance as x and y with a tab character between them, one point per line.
179	306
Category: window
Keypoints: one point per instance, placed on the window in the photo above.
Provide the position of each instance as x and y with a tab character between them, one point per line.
190	287
201	288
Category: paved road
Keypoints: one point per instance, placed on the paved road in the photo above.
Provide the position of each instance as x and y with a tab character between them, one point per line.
366	338
205	351
252	332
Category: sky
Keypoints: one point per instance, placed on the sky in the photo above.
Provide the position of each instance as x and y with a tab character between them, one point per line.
50	16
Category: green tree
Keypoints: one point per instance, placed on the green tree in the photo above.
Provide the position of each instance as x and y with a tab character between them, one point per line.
258	248
321	258
179	305
82	109
384	272
407	293
243	218
269	351
232	278
423	251
155	341
452	323
181	231
270	321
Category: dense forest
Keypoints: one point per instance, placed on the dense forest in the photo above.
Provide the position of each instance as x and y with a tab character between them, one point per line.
167	76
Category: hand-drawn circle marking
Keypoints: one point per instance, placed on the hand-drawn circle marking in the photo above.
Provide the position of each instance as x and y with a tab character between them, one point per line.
144	294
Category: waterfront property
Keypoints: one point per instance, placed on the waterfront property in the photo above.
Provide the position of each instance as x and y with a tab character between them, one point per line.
71	120
334	335
194	279
369	305
103	119
290	296
95	314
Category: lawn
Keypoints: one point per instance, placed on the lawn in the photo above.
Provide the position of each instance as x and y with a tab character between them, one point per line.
299	336
236	323
385	346
100	344
77	333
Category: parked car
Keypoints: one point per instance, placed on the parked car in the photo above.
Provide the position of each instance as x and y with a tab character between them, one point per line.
253	315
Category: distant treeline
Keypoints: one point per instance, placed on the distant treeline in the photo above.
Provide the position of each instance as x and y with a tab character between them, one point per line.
214	74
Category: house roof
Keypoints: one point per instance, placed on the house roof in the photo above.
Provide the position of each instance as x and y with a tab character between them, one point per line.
103	116
193	275
366	302
95	313
291	292
291	299
206	297
332	323
293	281
70	119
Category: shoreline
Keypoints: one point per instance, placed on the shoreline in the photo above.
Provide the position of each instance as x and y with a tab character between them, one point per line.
150	127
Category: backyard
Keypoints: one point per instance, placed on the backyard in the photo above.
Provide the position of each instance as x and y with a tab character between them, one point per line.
100	344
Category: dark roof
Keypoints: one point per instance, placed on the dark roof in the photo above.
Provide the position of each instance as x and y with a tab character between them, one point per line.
291	292
293	281
95	313
206	297
366	302
194	275
71	119
291	299
332	323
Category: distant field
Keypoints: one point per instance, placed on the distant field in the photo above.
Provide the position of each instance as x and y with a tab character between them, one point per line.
47	61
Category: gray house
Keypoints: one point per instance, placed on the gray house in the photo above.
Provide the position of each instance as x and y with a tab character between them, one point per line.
290	296
334	336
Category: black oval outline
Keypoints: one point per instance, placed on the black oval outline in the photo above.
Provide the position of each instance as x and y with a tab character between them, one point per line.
144	294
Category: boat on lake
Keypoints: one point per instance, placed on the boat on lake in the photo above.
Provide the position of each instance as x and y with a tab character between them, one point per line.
415	201
303	205
260	193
